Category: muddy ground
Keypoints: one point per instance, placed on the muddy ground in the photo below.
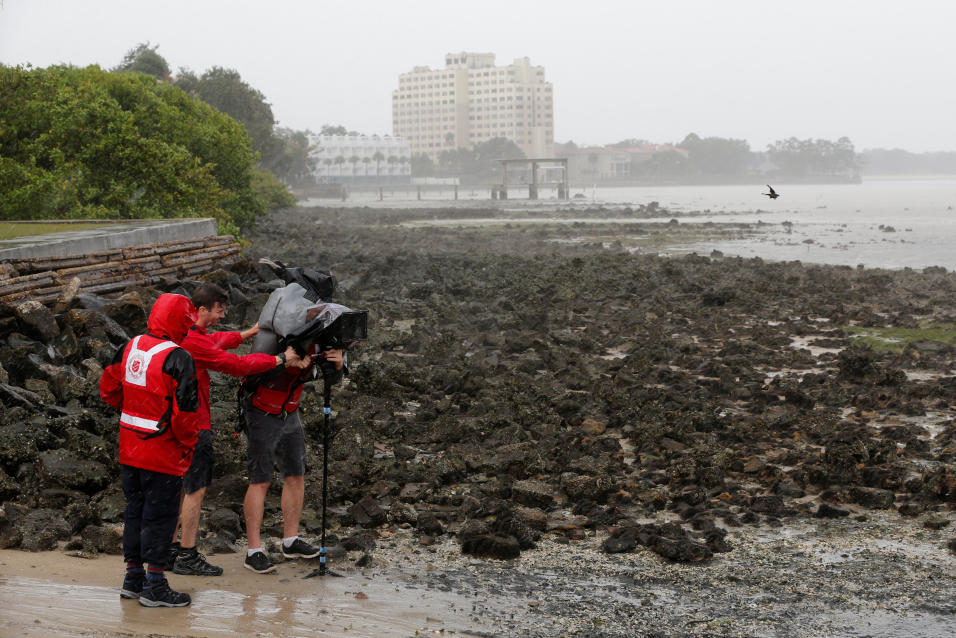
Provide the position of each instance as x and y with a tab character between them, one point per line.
601	439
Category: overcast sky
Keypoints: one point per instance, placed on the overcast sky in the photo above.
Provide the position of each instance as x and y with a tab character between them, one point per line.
881	73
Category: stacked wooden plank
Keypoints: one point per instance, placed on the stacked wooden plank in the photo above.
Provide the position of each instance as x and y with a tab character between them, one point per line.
44	278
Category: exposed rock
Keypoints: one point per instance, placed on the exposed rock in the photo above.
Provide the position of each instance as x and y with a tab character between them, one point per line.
37	320
225	522
65	468
871	497
104	540
494	546
41	529
533	493
826	510
429	524
367	513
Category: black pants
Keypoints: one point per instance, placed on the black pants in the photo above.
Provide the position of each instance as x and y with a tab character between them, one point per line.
152	509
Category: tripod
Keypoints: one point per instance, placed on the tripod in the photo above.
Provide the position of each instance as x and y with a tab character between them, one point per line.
328	381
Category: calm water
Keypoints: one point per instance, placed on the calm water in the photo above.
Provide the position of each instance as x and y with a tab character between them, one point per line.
879	223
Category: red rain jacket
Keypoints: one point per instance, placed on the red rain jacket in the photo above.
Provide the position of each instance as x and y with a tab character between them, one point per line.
282	394
209	353
153	382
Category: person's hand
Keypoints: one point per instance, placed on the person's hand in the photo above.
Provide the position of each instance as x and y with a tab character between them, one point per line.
251	332
304	363
335	356
292	357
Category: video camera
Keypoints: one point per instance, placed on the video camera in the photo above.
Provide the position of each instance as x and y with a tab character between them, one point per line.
300	316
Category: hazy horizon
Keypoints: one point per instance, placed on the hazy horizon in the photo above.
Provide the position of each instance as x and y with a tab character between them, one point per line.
875	72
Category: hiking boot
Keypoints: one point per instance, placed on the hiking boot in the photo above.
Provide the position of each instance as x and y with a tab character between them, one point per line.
300	549
132	586
259	563
162	595
173	552
189	562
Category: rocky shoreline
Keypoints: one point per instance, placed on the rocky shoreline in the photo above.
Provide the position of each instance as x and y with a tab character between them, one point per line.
527	388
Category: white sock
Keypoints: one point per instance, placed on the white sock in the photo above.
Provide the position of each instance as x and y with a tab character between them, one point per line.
252	551
287	542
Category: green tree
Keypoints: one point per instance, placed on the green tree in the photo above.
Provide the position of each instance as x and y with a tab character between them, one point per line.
478	164
86	143
225	90
421	165
329	129
144	59
296	163
716	156
379	157
814	158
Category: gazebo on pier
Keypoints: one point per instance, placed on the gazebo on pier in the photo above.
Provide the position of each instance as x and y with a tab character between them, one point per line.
549	165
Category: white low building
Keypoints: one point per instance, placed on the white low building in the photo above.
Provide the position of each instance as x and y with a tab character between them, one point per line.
361	159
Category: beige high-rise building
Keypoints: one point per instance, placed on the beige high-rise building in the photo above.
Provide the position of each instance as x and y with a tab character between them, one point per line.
471	101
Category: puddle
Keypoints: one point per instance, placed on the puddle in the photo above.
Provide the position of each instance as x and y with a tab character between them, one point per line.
869	623
805	343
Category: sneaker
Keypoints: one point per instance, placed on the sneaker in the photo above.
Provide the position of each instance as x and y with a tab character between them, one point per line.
259	563
300	549
189	562
132	586
162	595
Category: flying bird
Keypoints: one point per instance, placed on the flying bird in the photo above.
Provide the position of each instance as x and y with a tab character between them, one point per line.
772	194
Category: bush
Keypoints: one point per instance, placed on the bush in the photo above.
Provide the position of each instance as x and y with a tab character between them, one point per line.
86	143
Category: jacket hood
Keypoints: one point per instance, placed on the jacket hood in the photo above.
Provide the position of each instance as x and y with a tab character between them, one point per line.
171	317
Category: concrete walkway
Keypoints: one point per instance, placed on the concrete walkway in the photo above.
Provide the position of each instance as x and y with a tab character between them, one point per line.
118	235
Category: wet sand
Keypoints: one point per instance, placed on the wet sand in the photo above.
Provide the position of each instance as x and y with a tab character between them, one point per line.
53	594
871	575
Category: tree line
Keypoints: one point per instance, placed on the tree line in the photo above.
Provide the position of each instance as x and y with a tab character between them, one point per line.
716	159
133	142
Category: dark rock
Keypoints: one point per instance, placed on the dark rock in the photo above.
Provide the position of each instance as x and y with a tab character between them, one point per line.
90	323
104	540
37	320
910	509
129	310
621	540
826	510
22	442
359	542
367	513
41	529
225	522
871	497
768	504
494	546
18	396
112	506
936	522
10	516
532	493
401	512
414	492
473	527
220	545
429	524
681	550
63	467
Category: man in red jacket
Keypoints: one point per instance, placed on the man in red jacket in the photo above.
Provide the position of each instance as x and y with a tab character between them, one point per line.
209	352
275	437
153	382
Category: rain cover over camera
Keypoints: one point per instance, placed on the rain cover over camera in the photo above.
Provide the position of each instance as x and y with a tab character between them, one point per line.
289	314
